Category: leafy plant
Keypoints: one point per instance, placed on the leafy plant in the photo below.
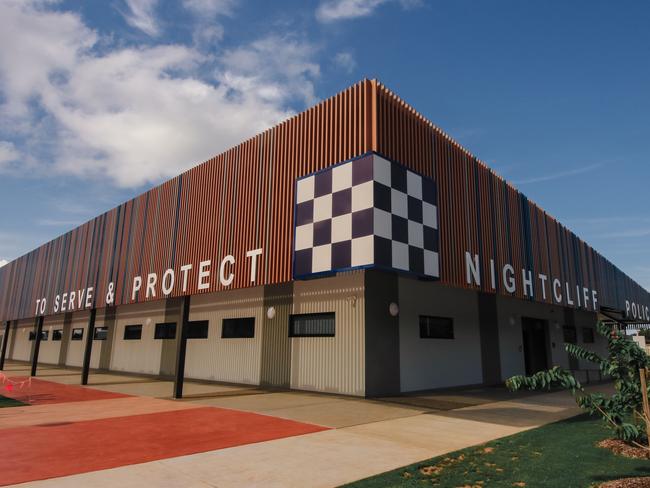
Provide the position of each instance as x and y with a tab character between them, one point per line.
622	410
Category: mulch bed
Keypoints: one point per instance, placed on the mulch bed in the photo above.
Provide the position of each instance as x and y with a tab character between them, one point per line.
622	448
627	483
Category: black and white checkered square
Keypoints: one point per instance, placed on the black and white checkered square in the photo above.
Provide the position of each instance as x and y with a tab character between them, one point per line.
364	213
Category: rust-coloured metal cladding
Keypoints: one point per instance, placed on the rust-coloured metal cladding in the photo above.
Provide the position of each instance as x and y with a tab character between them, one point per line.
216	216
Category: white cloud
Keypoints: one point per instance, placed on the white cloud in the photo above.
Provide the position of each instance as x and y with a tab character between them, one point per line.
210	8
345	60
274	69
558	175
135	115
8	153
3	262
208	30
142	16
332	10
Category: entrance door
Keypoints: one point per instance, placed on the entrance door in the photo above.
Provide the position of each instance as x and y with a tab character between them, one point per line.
571	337
535	338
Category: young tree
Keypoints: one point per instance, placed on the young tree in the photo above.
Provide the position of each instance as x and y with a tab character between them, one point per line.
622	411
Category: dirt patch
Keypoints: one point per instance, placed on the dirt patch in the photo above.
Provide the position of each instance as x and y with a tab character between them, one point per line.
627	483
624	449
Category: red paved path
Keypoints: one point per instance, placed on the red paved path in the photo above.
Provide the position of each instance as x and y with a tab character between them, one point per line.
43	392
59	449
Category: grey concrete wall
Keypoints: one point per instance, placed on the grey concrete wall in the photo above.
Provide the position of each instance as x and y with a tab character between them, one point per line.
510	312
382	334
438	363
489	336
583	320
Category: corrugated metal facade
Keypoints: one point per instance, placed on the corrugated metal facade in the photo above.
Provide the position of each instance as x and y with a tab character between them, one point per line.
76	348
229	360
137	356
242	200
50	349
331	364
21	345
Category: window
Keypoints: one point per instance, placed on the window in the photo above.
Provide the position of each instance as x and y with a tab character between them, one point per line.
312	325
44	335
57	334
101	333
436	327
77	334
197	329
166	330
570	335
238	328
132	332
587	335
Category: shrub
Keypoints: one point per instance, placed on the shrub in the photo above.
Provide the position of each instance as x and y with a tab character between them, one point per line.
622	411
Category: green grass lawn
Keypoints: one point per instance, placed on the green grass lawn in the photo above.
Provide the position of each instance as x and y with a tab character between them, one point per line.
562	454
9	402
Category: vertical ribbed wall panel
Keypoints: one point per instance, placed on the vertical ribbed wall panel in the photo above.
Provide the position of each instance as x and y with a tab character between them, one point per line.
22	346
136	356
482	214
332	364
49	351
229	360
243	198
75	355
275	362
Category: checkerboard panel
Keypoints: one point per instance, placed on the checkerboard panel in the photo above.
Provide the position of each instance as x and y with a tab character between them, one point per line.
364	213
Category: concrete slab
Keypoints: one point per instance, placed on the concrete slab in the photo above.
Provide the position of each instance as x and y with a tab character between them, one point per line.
370	436
330	411
87	410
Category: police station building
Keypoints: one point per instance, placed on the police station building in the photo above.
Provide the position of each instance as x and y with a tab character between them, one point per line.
354	248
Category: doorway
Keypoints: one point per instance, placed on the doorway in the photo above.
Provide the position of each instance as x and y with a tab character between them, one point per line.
535	334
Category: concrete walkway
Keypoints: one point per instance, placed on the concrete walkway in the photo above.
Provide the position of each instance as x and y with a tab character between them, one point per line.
367	437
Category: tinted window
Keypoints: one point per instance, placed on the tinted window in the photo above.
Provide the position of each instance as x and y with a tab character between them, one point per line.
57	334
587	335
132	332
436	327
77	334
570	335
165	330
101	333
44	335
197	329
238	328
312	325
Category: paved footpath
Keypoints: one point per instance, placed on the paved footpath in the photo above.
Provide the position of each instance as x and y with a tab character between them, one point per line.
72	436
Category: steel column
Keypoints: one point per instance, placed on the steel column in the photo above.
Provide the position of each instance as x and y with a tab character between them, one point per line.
5	341
181	347
89	346
37	344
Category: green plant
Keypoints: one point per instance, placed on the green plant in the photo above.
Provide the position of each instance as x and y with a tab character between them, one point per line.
622	411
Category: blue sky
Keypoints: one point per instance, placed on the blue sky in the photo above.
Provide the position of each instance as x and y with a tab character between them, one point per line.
100	100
